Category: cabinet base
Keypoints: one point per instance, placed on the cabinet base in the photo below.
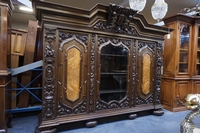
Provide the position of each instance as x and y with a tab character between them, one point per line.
45	130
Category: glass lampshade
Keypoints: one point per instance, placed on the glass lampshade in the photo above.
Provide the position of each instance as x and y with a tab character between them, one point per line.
159	9
137	4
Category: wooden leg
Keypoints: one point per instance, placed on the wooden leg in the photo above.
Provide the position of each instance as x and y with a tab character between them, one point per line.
45	130
91	124
158	112
132	116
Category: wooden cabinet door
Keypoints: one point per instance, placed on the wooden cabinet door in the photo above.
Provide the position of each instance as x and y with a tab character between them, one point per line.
72	72
181	90
146	76
196	87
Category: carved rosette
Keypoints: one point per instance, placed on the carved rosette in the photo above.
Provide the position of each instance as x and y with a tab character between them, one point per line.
148	98
49	74
118	20
66	110
159	63
92	61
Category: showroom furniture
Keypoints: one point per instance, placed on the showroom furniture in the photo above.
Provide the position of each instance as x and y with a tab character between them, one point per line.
98	63
181	70
6	8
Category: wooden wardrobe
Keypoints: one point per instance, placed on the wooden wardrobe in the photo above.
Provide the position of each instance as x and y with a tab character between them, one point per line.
98	63
6	8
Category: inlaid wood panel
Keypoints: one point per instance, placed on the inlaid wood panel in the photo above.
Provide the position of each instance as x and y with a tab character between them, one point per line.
73	74
146	71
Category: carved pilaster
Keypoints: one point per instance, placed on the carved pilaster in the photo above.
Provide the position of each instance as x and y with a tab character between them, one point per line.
159	62
49	74
92	61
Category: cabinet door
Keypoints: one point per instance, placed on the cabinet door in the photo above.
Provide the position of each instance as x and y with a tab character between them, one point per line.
182	89
184	45
197	52
72	73
196	87
113	70
146	69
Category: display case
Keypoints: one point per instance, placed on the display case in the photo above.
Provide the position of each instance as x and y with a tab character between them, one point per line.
181	61
6	8
98	63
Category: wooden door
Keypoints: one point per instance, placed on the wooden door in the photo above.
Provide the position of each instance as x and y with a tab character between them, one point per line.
72	73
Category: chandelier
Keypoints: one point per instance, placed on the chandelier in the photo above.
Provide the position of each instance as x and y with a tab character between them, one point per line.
158	9
137	4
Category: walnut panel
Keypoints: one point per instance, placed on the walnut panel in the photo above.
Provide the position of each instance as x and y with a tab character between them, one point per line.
146	70
73	74
166	92
196	86
183	88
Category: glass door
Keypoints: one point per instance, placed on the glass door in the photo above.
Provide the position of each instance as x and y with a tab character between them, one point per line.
198	54
184	47
113	78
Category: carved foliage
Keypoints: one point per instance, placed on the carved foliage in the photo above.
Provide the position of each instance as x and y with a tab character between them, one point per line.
101	105
92	61
159	63
118	20
63	36
66	110
134	74
49	74
102	40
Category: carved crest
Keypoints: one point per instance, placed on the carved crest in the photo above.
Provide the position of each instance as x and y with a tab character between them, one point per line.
118	20
119	17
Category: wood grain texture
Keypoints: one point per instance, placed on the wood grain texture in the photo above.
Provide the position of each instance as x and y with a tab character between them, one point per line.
146	74
73	74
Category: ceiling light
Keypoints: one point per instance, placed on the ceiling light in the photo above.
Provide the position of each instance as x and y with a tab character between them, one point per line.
23	8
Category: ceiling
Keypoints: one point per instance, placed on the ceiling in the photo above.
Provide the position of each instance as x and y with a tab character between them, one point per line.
174	7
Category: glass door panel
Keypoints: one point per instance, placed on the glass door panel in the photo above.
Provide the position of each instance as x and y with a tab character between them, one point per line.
113	80
184	47
198	55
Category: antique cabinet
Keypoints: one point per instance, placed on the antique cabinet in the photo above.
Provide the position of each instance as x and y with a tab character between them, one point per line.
181	61
6	8
97	63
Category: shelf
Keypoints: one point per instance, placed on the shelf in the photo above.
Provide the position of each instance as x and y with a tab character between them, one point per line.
114	55
112	91
184	49
183	63
197	63
113	73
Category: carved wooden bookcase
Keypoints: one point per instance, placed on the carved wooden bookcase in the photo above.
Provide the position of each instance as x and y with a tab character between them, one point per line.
98	63
181	61
6	8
